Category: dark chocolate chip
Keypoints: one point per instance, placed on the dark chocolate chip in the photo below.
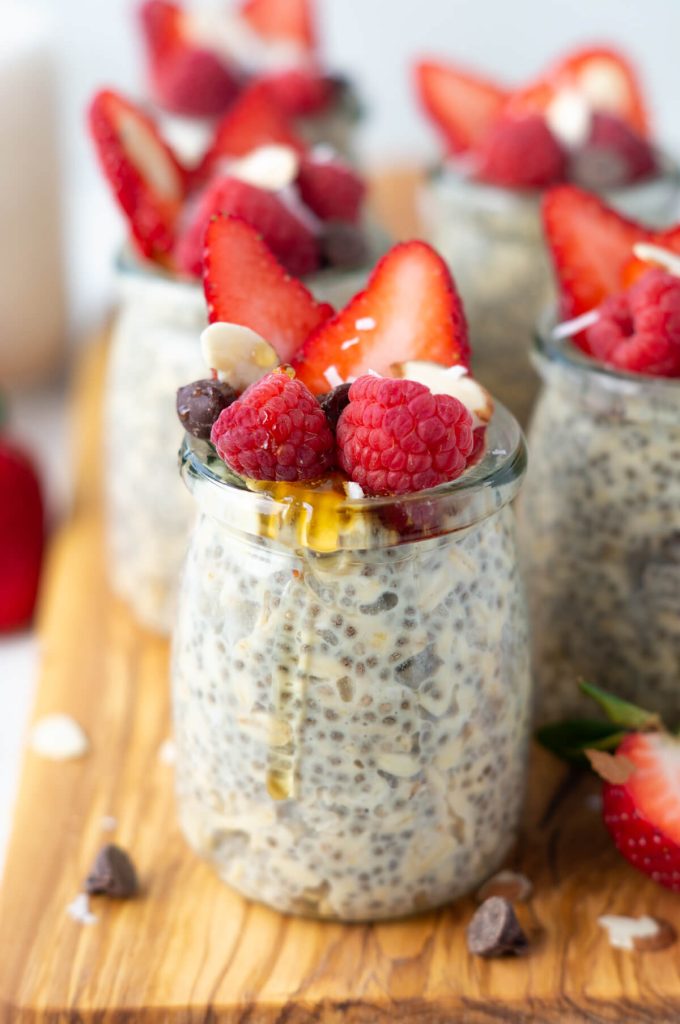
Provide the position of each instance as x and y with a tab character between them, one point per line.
199	405
112	874
333	402
495	931
343	245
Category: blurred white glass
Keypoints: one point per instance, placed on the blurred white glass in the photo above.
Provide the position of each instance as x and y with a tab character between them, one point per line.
32	302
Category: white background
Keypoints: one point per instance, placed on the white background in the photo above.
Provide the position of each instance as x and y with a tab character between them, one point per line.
375	42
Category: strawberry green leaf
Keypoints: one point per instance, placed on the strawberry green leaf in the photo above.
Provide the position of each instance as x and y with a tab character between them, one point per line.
621	712
568	740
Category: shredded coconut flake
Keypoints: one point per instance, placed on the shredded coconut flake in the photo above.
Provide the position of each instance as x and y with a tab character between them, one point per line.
59	737
167	753
373	373
354	490
658	256
108	823
333	377
623	931
365	323
457	372
571	327
349	343
79	909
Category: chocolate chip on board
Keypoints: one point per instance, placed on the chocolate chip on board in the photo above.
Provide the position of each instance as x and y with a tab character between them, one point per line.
112	874
495	931
199	404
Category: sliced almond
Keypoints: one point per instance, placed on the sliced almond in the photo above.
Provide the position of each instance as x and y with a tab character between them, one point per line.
238	354
449	380
510	885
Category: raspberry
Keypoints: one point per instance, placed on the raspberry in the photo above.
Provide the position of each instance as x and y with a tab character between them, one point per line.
395	436
521	152
639	330
614	155
276	430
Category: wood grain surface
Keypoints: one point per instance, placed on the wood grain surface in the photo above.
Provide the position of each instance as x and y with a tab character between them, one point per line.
189	950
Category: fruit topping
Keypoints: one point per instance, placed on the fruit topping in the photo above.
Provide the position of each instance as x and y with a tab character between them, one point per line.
333	402
21	537
301	92
521	152
237	354
463	106
162	25
144	173
409	310
592	247
396	437
450	380
196	83
276	430
199	405
331	188
288	237
290	20
639	330
244	284
612	155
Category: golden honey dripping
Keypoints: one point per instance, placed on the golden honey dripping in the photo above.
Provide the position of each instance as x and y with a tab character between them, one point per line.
316	514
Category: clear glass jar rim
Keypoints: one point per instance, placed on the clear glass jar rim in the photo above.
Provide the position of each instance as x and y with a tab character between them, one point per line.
563	352
501	468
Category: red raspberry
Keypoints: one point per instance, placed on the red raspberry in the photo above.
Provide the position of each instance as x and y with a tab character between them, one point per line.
613	155
521	152
395	436
639	330
276	430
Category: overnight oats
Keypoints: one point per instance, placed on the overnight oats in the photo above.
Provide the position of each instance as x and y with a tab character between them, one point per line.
600	514
290	195
201	61
583	122
350	662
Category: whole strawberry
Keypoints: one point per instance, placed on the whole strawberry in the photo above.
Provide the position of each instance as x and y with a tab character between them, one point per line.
276	430
395	436
21	537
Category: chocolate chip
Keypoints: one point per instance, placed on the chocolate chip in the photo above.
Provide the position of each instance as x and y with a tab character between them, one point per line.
333	402
112	874
495	931
199	405
343	245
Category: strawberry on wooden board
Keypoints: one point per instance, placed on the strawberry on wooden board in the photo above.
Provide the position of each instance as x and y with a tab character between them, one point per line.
282	20
409	310
289	239
464	106
143	172
331	188
254	120
244	284
21	537
592	247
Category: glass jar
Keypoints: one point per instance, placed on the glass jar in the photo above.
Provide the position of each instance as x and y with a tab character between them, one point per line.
600	533
155	350
351	688
493	240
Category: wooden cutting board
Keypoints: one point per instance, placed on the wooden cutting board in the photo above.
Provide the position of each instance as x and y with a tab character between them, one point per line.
189	950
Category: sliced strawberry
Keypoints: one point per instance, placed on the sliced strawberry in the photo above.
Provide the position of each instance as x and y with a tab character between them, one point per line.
635	268
289	20
642	813
289	239
301	92
331	189
143	172
254	120
162	31
21	537
244	284
591	245
409	310
521	152
196	83
604	76
463	105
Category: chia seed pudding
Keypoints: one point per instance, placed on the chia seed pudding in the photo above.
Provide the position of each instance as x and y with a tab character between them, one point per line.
600	531
155	349
492	239
351	690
